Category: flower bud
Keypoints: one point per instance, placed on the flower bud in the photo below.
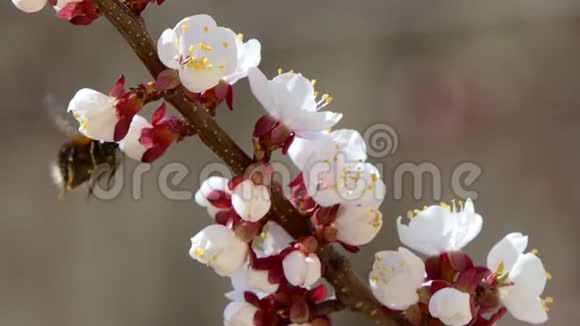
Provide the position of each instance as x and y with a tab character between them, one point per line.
218	247
451	306
251	201
301	269
130	145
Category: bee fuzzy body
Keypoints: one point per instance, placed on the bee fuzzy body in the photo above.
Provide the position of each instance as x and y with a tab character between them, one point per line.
78	160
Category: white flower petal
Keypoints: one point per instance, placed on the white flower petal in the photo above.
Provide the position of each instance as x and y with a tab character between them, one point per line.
29	6
209	185
301	270
273	240
130	145
528	275
249	56
218	247
290	99
507	251
202	51
239	313
357	225
530	310
468	226
395	278
199	81
251	201
439	229
168	49
260	87
96	114
451	306
258	280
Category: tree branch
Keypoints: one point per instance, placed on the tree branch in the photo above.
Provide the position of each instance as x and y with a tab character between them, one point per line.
349	289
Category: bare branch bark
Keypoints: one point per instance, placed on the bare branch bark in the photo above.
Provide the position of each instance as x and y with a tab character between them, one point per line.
350	291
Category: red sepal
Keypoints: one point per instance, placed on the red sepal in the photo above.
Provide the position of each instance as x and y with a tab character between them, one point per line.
152	154
287	143
264	125
122	128
219	199
158	114
318	293
118	90
167	79
227	217
79	13
438	285
234	182
53	2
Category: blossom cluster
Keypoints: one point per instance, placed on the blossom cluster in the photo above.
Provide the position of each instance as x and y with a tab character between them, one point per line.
447	287
276	278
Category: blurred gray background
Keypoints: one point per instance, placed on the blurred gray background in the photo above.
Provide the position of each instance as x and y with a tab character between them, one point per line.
494	82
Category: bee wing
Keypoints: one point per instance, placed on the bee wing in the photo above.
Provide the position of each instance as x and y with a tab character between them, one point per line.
61	119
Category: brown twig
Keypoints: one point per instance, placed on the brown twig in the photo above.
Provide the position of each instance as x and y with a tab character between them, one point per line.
327	307
350	291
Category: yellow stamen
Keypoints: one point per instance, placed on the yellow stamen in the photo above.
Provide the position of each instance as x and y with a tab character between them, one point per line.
534	251
184	27
205	29
280	71
222	67
225	44
191	49
199	252
499	268
313	82
546	301
409	215
241	36
205	47
548	276
84	124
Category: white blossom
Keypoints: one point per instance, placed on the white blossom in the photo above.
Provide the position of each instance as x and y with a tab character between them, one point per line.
451	306
272	240
528	275
438	229
95	113
218	247
335	171
395	278
249	56
239	313
251	201
130	145
290	99
322	147
30	6
357	225
207	187
250	279
302	269
201	51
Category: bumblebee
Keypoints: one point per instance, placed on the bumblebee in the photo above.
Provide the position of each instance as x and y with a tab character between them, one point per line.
81	160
